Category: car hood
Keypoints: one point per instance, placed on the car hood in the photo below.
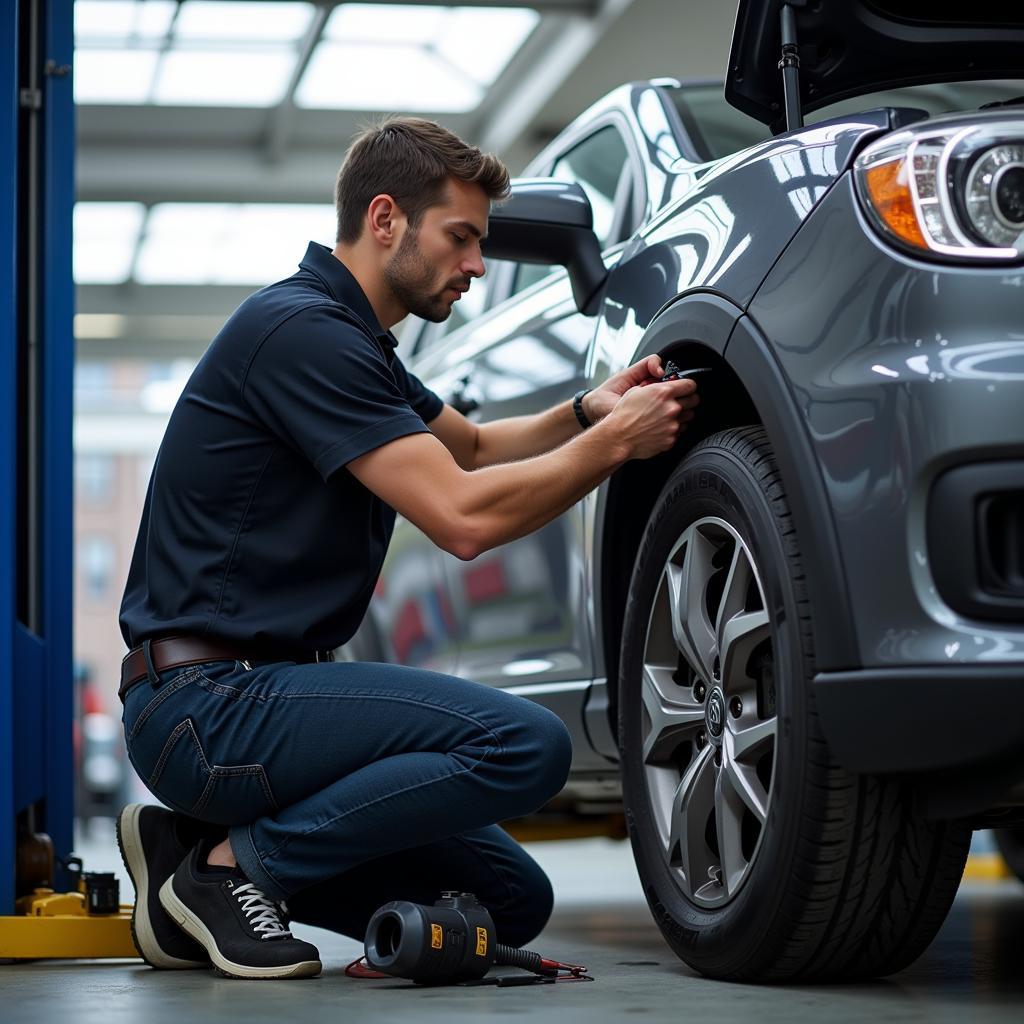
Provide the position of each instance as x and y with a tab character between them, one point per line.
850	47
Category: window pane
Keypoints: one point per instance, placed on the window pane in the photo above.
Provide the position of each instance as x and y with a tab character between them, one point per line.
105	237
120	20
219	78
412	57
597	164
94	478
233	20
96	558
112	76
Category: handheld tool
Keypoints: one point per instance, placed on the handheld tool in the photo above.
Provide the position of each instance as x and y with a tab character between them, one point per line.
451	942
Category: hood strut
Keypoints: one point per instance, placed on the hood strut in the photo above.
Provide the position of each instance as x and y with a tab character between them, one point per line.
790	66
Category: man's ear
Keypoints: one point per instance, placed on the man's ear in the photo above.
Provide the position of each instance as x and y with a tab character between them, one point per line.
385	220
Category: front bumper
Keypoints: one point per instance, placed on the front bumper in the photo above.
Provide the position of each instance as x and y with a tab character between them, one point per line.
919	719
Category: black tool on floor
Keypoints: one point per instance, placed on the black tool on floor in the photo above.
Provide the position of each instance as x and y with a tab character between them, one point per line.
450	943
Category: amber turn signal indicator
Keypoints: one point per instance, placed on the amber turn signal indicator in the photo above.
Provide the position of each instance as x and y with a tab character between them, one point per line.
888	188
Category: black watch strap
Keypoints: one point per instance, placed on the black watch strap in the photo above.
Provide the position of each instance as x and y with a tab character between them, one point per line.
577	408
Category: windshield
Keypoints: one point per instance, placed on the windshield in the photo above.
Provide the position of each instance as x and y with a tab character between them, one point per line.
717	129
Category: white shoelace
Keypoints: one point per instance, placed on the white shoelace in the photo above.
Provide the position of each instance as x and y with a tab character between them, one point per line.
261	911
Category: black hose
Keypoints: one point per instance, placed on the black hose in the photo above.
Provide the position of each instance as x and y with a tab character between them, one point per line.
509	956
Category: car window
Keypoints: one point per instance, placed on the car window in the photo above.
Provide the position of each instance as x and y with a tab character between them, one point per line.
936	98
717	129
600	165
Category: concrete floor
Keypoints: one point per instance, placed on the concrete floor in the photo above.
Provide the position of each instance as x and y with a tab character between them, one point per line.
974	970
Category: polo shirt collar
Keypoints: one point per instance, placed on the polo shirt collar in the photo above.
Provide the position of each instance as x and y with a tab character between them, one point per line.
320	261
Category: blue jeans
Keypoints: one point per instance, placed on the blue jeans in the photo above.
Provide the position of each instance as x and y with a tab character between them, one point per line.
343	785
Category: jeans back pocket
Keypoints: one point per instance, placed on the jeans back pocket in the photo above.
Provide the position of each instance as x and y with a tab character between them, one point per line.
184	779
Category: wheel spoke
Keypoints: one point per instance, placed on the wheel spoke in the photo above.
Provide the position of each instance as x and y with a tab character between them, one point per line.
728	829
734	593
743	780
740	635
672	717
693	801
747	745
693	634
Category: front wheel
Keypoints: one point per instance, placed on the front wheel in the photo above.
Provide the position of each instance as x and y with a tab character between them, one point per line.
760	857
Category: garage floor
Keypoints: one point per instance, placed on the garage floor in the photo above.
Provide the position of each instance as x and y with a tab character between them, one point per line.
974	970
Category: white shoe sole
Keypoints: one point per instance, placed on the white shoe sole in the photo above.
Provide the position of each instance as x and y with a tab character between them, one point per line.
195	927
130	842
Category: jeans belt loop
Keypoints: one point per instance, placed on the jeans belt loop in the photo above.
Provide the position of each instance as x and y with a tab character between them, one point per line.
154	679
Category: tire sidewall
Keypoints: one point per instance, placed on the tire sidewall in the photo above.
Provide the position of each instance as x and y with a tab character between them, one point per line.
715	481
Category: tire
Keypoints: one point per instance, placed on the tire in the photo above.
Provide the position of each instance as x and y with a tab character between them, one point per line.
784	866
1010	842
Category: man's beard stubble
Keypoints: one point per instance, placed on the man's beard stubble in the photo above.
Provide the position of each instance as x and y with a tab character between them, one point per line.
410	277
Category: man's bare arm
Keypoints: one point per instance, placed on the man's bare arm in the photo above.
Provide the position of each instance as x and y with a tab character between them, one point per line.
476	445
467	512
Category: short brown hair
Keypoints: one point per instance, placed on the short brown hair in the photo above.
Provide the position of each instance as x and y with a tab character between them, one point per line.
409	159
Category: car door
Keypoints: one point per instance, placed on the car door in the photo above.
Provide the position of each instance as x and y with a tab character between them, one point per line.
520	610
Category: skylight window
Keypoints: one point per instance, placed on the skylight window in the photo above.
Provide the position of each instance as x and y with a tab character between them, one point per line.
412	57
249	79
105	236
114	76
222	243
228	21
198	53
122	21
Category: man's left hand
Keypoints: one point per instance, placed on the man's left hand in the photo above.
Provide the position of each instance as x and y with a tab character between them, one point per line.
599	402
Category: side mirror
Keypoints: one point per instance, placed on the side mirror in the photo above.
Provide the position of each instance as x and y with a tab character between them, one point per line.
549	221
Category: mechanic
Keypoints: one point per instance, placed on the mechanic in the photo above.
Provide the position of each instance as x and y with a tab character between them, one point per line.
303	788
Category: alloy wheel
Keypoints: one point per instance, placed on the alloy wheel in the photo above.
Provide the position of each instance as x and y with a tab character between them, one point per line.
709	711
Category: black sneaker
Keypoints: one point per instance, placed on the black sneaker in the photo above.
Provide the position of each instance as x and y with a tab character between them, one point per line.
153	842
242	929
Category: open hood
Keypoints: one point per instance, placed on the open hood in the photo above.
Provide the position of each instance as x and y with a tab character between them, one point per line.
850	47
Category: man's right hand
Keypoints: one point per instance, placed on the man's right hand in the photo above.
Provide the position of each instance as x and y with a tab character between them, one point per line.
649	418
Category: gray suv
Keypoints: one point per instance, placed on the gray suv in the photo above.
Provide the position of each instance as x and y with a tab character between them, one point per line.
791	649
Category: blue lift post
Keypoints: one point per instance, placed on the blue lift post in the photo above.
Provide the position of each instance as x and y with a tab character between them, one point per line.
36	413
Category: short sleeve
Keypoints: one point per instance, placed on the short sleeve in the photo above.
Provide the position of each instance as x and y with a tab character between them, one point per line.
323	386
424	402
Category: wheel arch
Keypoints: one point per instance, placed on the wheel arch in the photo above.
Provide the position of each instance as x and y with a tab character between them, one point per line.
745	387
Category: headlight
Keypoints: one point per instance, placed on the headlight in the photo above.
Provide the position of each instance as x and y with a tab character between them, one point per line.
950	191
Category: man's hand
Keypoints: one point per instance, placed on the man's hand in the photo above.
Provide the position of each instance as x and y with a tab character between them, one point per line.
599	402
649	419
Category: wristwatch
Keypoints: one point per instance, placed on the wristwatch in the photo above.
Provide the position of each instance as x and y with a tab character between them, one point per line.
577	407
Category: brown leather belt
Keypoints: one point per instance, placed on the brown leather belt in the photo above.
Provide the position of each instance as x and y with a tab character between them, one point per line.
177	651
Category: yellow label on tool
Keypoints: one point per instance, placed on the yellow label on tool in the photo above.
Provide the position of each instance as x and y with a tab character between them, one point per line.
481	942
436	936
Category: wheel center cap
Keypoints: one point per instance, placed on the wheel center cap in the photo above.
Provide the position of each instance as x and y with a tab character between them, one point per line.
714	714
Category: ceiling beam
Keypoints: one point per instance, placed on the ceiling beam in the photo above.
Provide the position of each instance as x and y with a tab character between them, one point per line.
524	89
162	300
279	122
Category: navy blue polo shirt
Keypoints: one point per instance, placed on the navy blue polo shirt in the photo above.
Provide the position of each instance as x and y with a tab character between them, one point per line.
253	530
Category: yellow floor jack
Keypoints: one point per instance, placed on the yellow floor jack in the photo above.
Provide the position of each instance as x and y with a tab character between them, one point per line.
89	922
